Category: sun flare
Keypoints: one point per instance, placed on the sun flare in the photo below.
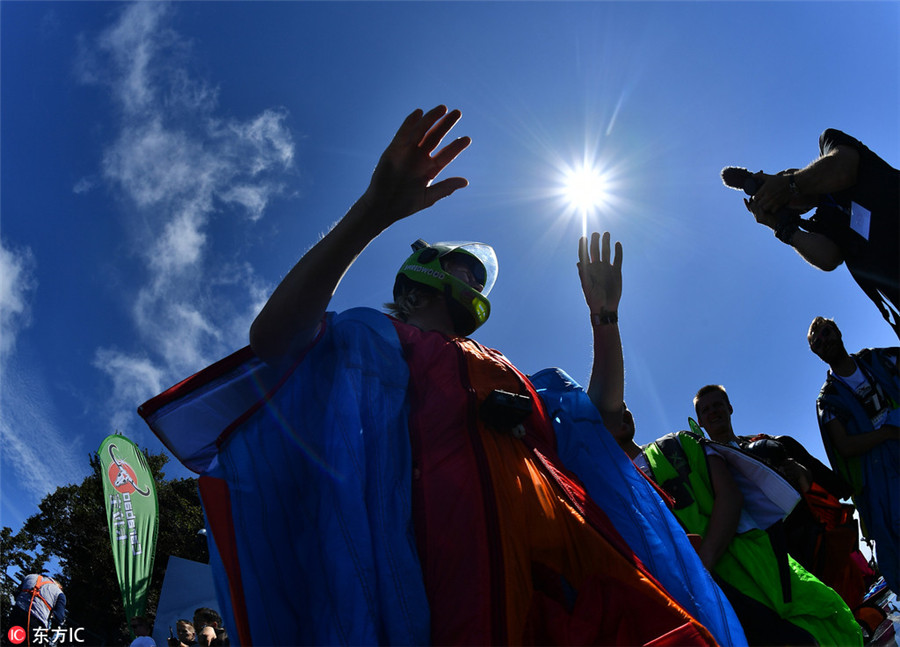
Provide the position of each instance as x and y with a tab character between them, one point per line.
586	189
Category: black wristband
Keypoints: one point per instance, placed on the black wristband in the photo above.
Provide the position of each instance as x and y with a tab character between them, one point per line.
604	318
787	225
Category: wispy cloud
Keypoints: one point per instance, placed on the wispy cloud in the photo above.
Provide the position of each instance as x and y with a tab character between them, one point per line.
28	435
17	282
33	447
184	168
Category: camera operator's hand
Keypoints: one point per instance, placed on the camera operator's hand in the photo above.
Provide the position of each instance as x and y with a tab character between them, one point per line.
762	217
774	193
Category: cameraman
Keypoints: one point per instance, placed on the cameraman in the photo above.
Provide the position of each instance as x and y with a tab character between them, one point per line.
187	637
857	199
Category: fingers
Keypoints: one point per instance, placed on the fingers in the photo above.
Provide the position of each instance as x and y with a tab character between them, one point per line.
449	152
582	251
598	250
406	128
442	189
416	128
432	136
427	121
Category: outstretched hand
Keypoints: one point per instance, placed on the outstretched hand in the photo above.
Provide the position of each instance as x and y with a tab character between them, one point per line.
601	280
402	181
774	193
762	216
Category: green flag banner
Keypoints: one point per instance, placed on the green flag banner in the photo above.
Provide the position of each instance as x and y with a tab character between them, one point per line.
133	517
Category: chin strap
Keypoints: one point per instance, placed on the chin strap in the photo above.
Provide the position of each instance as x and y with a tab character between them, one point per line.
463	322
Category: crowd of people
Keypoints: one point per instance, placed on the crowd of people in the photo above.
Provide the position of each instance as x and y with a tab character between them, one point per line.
465	502
517	542
205	629
39	615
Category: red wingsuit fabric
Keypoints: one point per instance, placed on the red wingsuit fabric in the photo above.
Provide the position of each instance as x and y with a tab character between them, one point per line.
512	549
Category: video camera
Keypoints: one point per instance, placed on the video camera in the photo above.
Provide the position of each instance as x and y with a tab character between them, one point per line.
787	220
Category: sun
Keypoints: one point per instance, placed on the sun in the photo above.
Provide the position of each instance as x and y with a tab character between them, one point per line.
586	188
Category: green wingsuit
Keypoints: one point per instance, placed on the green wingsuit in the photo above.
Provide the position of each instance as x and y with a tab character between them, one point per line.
750	563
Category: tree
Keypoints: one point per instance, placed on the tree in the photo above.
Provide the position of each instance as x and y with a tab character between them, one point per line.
70	528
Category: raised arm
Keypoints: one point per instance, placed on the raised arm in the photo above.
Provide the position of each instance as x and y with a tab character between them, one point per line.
400	186
815	248
829	173
601	282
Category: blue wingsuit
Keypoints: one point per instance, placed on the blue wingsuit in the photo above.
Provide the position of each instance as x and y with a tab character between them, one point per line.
307	493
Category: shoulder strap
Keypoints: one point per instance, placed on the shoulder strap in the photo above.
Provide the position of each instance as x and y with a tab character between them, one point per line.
676	486
36	592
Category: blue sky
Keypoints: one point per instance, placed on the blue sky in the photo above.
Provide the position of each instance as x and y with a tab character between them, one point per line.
162	166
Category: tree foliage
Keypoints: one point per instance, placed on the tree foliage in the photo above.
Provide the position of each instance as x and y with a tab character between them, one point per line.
70	530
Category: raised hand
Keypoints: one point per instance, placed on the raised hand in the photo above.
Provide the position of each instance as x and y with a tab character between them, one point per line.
402	181
400	186
601	280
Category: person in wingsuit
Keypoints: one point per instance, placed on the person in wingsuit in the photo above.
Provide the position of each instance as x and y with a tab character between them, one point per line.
777	600
858	409
414	486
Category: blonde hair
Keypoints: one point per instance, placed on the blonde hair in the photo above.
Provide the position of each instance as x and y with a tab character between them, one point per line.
408	299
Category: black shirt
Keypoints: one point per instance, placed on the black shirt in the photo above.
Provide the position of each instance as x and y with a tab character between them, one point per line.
869	244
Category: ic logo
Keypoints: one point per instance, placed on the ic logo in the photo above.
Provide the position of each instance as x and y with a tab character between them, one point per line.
16	635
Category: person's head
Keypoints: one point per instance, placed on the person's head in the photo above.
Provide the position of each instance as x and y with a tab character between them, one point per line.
204	616
185	631
447	283
140	626
825	340
625	432
624	435
713	409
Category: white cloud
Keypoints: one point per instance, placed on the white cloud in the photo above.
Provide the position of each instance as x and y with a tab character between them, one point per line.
267	135
17	281
84	185
135	379
31	444
131	44
157	166
180	245
252	198
184	169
